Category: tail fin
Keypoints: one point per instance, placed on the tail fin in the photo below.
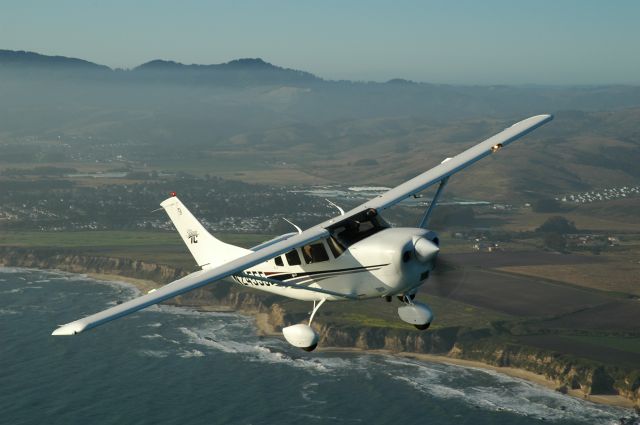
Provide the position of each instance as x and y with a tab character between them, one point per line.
207	250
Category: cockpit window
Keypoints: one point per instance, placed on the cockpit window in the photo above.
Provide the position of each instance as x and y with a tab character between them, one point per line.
336	247
278	261
356	228
293	258
314	253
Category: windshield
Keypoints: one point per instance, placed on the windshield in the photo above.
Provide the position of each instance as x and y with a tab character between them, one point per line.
356	228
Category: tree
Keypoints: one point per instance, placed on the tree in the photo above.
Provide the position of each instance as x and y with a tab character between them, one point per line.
557	224
555	242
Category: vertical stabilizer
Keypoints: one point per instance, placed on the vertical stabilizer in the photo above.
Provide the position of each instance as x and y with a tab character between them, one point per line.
206	249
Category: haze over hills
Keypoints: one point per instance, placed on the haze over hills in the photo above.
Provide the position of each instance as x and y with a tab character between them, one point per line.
248	116
239	71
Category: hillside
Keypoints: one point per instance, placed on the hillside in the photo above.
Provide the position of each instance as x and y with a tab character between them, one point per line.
254	121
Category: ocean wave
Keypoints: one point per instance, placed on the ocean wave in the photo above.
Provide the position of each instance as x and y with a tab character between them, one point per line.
14	270
255	351
12	291
207	341
152	336
50	276
493	391
309	392
324	419
193	312
191	354
19	290
158	354
127	290
7	312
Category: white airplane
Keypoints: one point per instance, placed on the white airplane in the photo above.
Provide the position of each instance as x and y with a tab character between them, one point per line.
353	256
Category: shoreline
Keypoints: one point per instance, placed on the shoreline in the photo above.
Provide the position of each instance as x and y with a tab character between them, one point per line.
142	285
264	328
531	377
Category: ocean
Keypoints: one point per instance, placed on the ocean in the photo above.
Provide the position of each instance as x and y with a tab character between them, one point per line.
170	365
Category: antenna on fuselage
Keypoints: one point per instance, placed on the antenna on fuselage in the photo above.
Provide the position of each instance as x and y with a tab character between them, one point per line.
297	228
334	205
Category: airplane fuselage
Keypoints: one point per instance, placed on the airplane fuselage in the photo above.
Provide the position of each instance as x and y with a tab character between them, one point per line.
385	263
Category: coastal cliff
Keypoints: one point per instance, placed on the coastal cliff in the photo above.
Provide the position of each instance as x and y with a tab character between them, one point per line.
567	372
483	345
75	262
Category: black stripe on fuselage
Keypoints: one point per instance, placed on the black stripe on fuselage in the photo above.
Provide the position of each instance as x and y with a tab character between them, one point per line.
287	276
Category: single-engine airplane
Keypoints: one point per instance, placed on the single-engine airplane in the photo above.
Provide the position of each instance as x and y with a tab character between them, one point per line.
353	256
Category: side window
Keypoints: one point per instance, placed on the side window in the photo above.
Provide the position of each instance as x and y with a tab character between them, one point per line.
314	253
278	261
336	247
293	258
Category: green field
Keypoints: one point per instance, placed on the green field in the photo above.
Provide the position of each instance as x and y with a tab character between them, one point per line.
113	239
158	247
377	313
631	344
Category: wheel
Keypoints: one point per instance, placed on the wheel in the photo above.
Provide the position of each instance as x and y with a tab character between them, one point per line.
423	327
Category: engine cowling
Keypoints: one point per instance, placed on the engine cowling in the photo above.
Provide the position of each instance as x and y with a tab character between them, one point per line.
301	336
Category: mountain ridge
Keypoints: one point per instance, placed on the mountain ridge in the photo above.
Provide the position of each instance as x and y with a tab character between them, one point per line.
27	58
15	59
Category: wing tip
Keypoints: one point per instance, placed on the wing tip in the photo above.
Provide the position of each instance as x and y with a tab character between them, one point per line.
533	122
69	329
545	117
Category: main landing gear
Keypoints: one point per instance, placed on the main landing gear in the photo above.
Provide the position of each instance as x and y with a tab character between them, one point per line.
301	335
415	313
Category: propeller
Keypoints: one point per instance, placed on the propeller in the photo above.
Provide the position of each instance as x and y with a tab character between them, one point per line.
447	279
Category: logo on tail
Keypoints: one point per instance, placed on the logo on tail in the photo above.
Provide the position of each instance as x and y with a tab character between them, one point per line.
193	236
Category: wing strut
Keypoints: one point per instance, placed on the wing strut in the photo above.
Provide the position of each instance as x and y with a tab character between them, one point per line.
432	205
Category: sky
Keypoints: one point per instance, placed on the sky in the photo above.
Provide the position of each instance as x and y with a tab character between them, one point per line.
452	42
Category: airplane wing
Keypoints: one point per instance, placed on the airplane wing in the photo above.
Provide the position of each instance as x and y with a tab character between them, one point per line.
192	281
453	165
268	251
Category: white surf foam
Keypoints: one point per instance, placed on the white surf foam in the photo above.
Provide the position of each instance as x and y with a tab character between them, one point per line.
191	354
266	351
158	354
13	270
152	336
497	392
